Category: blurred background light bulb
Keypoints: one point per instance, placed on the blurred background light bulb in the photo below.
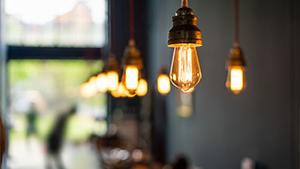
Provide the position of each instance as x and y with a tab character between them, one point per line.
112	80
92	84
131	77
101	83
236	79
122	90
142	88
185	71
86	90
163	84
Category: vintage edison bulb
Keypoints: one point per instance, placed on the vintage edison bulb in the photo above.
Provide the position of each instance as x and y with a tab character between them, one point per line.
142	88
185	71
163	84
236	79
131	77
101	83
112	80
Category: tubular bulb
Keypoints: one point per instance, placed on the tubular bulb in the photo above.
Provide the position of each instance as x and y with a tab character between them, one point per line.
131	78
163	84
112	80
236	79
142	88
101	82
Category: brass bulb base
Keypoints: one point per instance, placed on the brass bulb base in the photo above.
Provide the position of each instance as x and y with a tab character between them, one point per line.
185	29
112	64
236	57
132	55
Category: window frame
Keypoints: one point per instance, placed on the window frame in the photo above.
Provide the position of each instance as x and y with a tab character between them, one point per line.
44	53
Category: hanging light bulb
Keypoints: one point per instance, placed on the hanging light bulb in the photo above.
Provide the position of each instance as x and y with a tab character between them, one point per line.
89	89
112	80
132	66
142	88
112	74
101	82
236	81
92	84
163	83
185	37
122	90
115	93
86	90
118	93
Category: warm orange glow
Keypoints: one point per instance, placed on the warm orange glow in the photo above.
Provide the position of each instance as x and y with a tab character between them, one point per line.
115	94
142	88
112	80
236	79
131	77
122	90
101	83
163	84
185	71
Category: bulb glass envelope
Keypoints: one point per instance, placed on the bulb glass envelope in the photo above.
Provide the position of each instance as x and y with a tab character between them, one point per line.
112	73
132	65
163	83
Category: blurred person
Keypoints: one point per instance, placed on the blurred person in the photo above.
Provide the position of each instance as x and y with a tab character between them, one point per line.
56	138
140	159
181	162
247	163
31	118
2	141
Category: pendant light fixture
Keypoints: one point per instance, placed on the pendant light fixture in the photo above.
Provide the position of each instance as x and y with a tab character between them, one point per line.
132	63
100	81
112	72
142	87
89	88
185	37
163	82
236	81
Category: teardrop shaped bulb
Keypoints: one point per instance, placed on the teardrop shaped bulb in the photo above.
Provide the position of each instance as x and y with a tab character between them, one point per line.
185	71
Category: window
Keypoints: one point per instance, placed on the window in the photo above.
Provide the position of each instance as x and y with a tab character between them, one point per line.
51	86
64	23
53	46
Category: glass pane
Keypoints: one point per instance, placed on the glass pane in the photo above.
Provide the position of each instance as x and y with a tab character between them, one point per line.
42	93
56	22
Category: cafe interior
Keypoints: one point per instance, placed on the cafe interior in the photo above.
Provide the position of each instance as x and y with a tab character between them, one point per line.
149	84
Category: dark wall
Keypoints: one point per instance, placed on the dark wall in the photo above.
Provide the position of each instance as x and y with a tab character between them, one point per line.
259	123
296	71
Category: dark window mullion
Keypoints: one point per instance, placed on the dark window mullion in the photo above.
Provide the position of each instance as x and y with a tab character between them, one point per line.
21	52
